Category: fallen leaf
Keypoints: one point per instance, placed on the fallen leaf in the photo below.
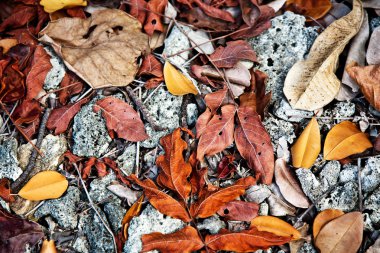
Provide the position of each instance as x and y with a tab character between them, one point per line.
48	247
279	207
201	38
311	84
307	147
239	210
6	44
341	235
214	12
199	19
70	85
226	167
373	55
151	66
254	144
184	240
217	99
124	192
101	49
343	140
311	9
289	186
121	118
138	10
176	82
132	212
5	190
44	185
276	226
26	112
153	20
323	218
119	174
295	246
52	6
277	4
368	79
76	12
21	15
12	82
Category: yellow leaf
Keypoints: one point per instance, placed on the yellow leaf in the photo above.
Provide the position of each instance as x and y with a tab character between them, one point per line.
48	247
176	82
276	226
305	151
44	185
343	140
323	218
55	5
6	44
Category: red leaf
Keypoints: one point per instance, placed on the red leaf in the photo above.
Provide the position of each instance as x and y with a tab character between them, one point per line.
225	167
239	210
101	168
202	122
76	12
121	118
154	82
27	112
12	83
21	15
153	20
72	158
186	239
254	144
216	99
227	57
138	10
199	19
22	54
151	66
32	128
70	85
214	12
5	190
119	174
87	167
60	118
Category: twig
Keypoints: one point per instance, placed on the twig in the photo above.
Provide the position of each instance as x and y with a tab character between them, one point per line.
9	117
151	94
360	185
34	209
94	208
137	159
185	102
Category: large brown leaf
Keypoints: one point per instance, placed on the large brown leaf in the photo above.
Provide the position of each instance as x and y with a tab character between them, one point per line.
239	210
254	144
184	240
121	118
101	49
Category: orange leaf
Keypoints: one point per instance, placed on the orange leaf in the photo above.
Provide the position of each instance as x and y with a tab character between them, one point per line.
323	218
48	247
176	82
27	112
276	226
343	140
6	44
185	240
5	190
216	99
239	210
133	211
310	8
153	21
151	66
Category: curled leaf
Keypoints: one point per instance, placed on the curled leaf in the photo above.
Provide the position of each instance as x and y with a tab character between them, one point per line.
133	211
276	226
323	218
51	6
176	82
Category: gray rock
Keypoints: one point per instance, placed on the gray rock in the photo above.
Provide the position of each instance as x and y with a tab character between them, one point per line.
307	248
192	114
81	245
98	189
176	42
264	209
368	226
56	73
8	159
213	224
375	22
115	214
165	110
284	110
258	193
150	220
348	173
280	47
89	132
127	160
63	209
372	205
337	113
278	128
343	197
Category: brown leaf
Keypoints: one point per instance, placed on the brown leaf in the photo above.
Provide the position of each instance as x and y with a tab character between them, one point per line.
138	10
76	12
217	99
27	112
214	12
119	174
368	78
254	144
227	57
153	20
60	118
101	168
101	49
21	15
151	66
324	218
226	166
312	9
239	210
184	240
5	190
121	118
341	235
70	85
12	82
199	19
87	167
218	133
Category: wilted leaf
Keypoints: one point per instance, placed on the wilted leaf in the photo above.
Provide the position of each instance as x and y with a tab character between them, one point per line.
138	10
44	185
343	140
121	118
151	66
5	190
279	207
199	19
214	12
70	85
184	240
276	226
307	147
101	49
239	210
254	144
54	5
311	84
289	186
12	82
310	8
323	218
341	235
176	82
6	44
226	166
26	112
48	247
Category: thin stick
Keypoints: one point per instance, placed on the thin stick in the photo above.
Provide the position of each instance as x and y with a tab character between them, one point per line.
34	209
137	159
360	185
9	117
151	94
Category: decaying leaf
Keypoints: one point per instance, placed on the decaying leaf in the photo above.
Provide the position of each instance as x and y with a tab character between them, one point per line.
101	49
176	82
310	8
276	226
12	82
323	218
48	246
239	210
341	235
44	185
289	186
5	190
52	6
307	147
311	84
151	66
343	140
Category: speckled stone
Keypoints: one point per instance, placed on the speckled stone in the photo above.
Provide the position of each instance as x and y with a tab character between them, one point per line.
56	73
284	110
213	224
126	161
278	128
176	42
8	159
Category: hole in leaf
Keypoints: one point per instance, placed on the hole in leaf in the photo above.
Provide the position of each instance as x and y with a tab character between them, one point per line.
226	211
154	22
90	30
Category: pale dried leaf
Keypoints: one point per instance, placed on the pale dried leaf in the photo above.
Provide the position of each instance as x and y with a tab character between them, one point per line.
201	38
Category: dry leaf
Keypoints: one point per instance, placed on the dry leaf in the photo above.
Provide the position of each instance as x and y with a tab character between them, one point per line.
309	8
289	186
200	37
133	211
153	20
311	84
279	207
51	6
176	82
216	99
44	185
20	16
373	55
151	66
307	147
276	226
343	140
5	190
101	49
124	192
6	44
323	218
238	210
341	235
295	246
48	247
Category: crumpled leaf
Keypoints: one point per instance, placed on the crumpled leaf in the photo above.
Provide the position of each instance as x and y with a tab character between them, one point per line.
239	210
44	185
311	84
307	147
151	66
341	235
276	226
133	211
309	8
323	218
343	140
101	49
176	82
121	118
184	240
51	6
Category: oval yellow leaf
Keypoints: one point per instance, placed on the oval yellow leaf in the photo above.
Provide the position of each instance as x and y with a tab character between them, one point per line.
44	185
48	247
176	82
276	226
55	5
306	150
323	218
343	140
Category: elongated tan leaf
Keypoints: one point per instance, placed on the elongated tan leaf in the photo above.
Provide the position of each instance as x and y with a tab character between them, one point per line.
343	140
323	218
311	83
44	185
276	226
341	235
176	82
306	149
